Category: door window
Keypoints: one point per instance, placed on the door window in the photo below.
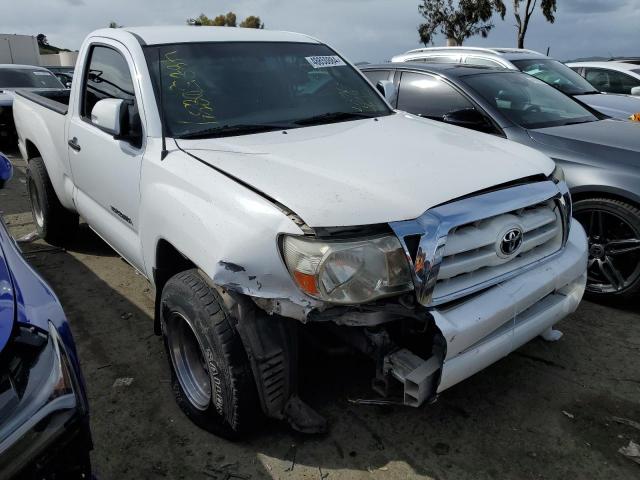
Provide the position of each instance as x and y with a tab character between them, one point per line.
375	76
429	96
108	76
611	81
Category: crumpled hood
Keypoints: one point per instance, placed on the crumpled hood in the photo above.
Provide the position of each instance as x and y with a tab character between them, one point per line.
616	106
611	139
7	302
369	171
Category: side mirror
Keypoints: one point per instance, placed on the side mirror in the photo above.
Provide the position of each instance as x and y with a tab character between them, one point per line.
108	115
469	118
635	91
388	89
6	170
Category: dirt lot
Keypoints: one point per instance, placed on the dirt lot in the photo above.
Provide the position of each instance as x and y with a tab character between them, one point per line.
545	412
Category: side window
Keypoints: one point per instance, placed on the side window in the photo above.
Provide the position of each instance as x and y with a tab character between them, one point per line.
611	81
482	62
428	96
108	76
375	76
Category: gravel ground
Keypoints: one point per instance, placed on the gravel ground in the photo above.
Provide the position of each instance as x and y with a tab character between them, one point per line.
545	412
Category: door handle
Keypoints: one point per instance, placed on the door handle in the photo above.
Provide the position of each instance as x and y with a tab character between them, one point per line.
73	143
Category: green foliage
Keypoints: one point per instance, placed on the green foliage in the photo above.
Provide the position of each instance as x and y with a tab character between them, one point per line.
457	19
252	22
228	20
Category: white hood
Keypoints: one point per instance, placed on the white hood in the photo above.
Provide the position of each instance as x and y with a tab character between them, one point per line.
366	171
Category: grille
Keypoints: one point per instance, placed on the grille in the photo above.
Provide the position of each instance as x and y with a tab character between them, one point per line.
473	254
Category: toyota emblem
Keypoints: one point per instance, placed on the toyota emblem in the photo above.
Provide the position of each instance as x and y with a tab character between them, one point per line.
511	241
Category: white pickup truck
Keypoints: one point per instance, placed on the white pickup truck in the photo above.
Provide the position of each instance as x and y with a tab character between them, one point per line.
266	189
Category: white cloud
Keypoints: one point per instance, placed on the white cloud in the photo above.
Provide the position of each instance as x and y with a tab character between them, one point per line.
371	30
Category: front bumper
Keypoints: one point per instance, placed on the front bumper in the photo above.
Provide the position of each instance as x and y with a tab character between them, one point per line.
486	326
44	422
496	322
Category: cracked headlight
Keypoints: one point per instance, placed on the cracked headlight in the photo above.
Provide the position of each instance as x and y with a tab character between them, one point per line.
348	271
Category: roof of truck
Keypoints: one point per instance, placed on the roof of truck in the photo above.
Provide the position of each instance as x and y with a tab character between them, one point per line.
186	33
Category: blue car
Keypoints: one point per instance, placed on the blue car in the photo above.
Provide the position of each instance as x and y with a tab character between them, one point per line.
44	417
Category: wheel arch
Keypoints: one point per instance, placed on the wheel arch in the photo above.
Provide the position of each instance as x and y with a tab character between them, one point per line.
169	261
31	150
599	191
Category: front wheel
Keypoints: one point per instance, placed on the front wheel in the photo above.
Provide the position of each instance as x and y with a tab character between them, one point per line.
613	231
210	371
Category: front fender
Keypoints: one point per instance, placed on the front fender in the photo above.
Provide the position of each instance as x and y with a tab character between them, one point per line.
228	231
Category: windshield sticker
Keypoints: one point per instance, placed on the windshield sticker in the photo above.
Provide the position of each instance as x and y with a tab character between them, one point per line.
325	61
46	74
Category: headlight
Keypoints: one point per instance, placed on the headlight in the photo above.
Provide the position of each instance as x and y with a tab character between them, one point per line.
348	271
558	174
36	382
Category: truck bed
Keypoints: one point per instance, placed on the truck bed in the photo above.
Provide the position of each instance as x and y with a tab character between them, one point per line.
56	100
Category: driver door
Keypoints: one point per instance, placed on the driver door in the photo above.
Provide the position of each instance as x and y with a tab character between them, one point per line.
106	170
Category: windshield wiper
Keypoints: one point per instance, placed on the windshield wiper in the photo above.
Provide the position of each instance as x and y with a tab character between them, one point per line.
334	117
232	130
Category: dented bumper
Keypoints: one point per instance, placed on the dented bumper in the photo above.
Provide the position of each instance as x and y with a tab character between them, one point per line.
492	324
500	320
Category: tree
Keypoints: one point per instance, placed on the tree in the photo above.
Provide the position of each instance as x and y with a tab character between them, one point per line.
228	20
458	20
252	22
42	40
522	19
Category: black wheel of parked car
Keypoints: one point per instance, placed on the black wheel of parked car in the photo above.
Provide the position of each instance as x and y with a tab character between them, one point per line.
210	372
613	230
54	223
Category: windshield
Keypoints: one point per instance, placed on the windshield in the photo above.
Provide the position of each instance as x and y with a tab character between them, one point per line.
231	88
556	74
528	102
27	78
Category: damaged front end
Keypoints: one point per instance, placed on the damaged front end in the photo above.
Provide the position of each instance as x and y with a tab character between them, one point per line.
432	300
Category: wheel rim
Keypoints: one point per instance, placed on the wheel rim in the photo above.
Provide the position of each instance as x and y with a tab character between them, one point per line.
36	208
614	251
188	361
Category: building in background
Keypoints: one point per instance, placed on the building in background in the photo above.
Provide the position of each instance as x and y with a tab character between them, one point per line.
21	49
62	59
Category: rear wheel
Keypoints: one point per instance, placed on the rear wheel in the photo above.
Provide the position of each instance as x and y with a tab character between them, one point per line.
613	231
54	223
211	375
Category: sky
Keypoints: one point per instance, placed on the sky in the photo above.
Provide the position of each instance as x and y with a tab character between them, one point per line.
362	30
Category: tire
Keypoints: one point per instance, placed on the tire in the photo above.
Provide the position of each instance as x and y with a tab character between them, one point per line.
613	229
55	224
219	395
